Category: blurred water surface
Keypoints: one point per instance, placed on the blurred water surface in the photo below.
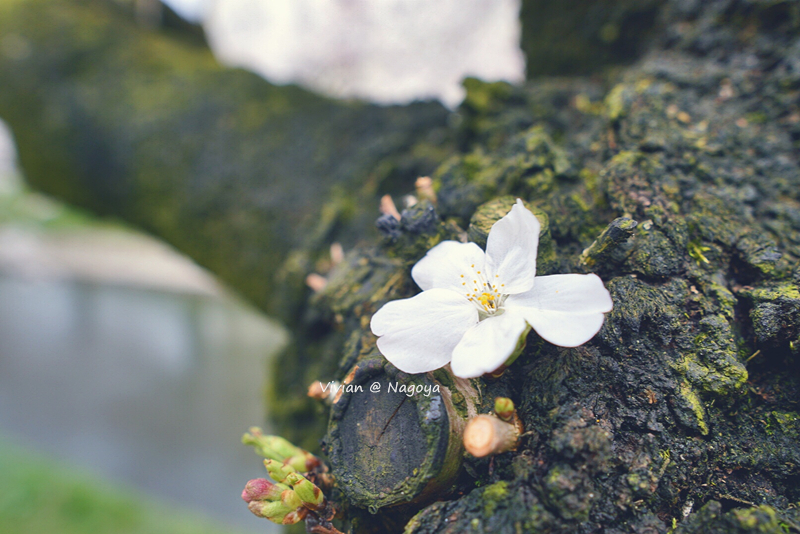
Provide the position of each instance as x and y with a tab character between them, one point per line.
149	387
119	355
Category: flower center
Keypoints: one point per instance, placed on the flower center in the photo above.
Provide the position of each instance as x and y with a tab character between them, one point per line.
484	291
488	301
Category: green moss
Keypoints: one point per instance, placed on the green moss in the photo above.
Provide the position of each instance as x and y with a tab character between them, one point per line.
724	299
493	495
482	97
569	492
787	422
721	380
753	520
696	252
654	253
770	293
688	394
775	313
531	165
617	101
502	507
760	519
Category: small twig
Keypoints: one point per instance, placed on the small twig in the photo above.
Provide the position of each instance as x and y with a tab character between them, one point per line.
323	393
337	254
424	187
316	282
487	434
756	353
387	207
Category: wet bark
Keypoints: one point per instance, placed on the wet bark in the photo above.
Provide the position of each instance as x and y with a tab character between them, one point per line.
677	180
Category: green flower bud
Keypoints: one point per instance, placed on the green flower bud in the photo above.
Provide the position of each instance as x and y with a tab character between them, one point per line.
261	489
278	471
303	462
256	439
283	446
280	449
274	447
504	408
306	490
291	500
275	511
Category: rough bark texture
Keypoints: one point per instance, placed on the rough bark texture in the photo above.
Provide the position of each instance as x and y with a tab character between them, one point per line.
683	172
583	36
677	180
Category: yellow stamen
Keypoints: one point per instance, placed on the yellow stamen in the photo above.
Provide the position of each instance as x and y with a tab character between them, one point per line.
488	302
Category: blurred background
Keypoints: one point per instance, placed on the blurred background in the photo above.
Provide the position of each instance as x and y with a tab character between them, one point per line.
127	372
127	375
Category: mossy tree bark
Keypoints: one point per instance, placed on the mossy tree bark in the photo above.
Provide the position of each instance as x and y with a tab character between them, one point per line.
677	180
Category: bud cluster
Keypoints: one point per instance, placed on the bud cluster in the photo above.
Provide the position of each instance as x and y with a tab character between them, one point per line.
291	497
281	450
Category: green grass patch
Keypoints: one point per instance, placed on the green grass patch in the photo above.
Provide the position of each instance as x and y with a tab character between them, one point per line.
38	496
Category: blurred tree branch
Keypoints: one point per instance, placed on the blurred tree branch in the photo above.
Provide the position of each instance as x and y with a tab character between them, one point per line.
143	123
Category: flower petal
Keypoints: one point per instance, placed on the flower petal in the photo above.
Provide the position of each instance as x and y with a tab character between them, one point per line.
563	329
447	265
511	249
419	334
571	293
487	345
565	309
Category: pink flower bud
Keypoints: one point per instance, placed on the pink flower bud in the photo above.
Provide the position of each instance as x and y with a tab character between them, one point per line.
261	489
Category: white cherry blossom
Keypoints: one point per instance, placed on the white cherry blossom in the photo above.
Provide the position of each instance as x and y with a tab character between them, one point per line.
476	306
